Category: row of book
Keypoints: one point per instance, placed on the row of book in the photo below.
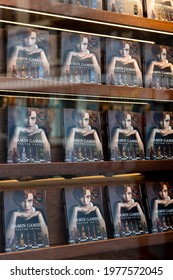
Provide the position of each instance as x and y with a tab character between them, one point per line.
81	58
87	135
134	210
155	9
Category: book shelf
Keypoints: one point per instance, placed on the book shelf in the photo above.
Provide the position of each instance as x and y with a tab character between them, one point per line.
63	16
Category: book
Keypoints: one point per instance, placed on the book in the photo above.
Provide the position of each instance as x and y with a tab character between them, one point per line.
94	4
84	214
30	133
27	53
25	220
80	58
2	135
123	63
157	66
159	135
159	201
129	7
125	135
2	51
82	136
160	10
127	211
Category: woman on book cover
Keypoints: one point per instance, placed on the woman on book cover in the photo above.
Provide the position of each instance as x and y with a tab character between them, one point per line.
125	139
128	211
160	137
26	226
159	73
83	139
162	206
28	59
27	140
86	219
80	61
123	69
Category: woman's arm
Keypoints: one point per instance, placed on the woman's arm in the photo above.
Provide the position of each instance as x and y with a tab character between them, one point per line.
97	68
115	138
45	62
150	142
149	73
138	72
155	216
43	226
111	68
140	143
46	143
117	220
100	219
73	220
97	141
141	214
70	139
66	66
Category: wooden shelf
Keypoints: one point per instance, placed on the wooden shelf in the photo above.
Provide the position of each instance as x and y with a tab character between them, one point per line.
56	89
84	168
59	249
111	246
99	21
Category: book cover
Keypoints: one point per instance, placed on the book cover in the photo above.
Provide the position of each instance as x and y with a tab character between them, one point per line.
25	220
159	135
29	130
2	136
126	210
157	66
123	63
27	53
128	7
160	9
94	4
2	51
84	214
80	58
82	137
159	198
125	134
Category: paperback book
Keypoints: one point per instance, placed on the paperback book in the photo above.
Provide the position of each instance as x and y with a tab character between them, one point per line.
82	136
125	134
80	58
157	66
159	198
126	210
84	214
94	4
2	136
25	220
159	135
160	9
128	7
29	130
27	53
2	51
123	63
